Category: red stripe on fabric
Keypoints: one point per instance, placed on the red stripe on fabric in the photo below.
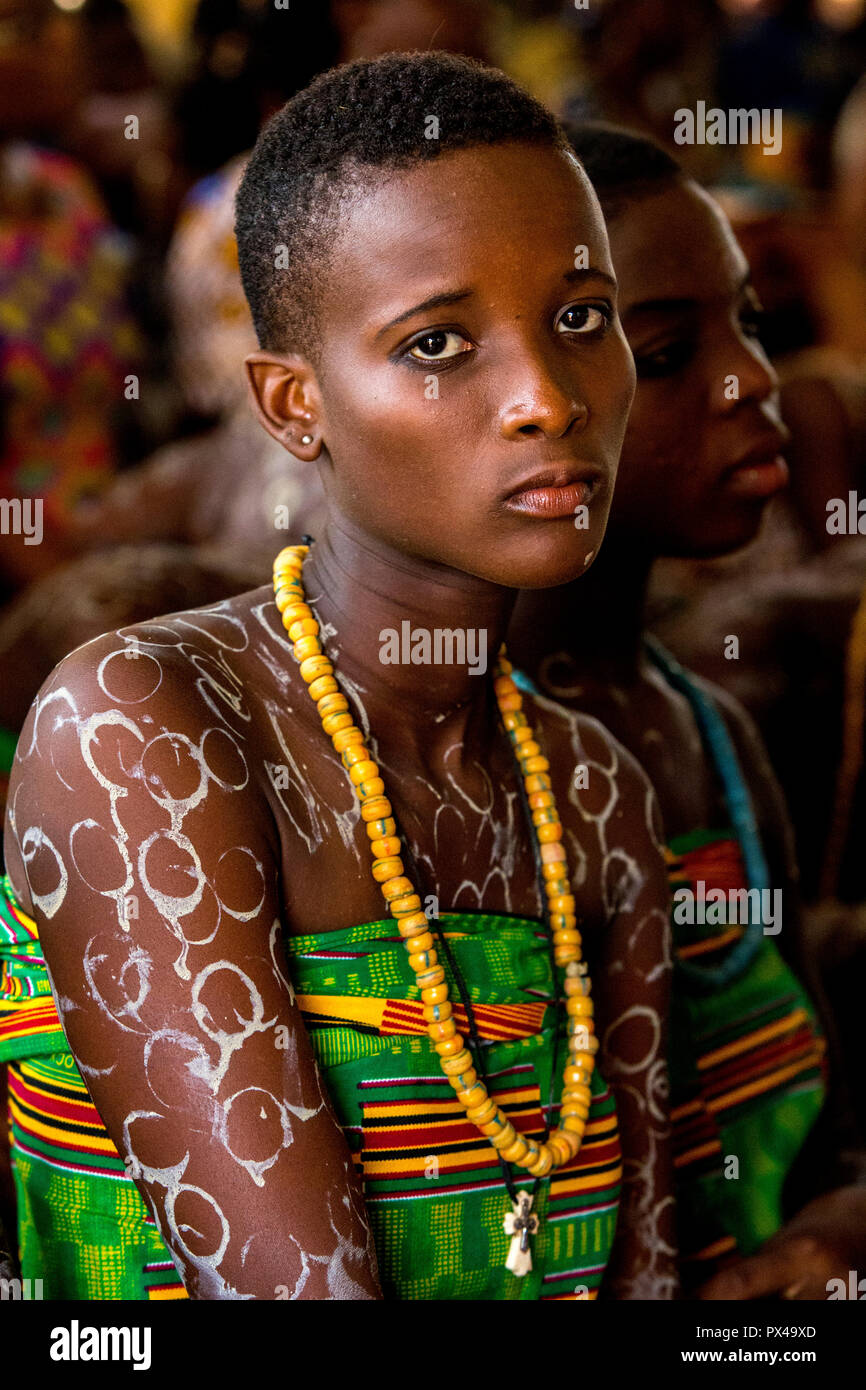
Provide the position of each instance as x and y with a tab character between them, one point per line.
29	1018
718	1081
76	1112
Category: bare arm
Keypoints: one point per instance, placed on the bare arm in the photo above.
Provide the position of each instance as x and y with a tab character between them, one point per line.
138	838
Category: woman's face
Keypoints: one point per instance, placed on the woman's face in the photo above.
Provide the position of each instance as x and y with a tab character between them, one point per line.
474	378
701	457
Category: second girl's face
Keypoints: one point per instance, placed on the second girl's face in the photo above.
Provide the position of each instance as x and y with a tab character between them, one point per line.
474	379
702	454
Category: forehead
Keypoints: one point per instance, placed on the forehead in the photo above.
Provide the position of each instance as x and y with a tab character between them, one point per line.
676	244
481	215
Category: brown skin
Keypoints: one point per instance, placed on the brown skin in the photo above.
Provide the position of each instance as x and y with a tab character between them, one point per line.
684	300
418	530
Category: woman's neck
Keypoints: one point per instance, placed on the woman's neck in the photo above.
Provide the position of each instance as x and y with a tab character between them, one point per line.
597	621
414	642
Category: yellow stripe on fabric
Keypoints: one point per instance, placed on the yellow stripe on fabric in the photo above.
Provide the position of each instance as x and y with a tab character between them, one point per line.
713	1146
592	1181
719	1247
597	1129
757	1088
752	1040
69	1080
21	917
86	1113
60	1137
29	1019
482	1157
710	943
344	1008
692	1107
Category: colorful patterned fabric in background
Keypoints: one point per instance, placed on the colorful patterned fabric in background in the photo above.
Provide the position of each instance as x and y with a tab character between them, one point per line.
746	1067
67	340
433	1185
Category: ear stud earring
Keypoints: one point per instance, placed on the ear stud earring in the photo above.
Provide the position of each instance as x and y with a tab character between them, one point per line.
306	439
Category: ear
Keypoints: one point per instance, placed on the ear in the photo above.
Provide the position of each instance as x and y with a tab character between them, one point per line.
285	397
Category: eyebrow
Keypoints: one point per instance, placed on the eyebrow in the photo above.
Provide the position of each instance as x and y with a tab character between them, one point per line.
437	301
577	277
659	306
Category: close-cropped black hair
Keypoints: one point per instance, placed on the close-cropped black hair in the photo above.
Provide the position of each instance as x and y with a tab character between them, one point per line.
621	164
351	124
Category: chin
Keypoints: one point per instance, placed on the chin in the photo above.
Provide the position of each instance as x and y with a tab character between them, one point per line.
713	545
550	564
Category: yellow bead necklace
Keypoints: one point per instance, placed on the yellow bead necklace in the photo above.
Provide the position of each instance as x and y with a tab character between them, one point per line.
404	902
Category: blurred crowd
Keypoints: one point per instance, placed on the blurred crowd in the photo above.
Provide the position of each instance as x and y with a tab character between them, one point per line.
133	479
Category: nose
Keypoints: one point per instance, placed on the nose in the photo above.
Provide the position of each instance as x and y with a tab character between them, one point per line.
537	404
756	378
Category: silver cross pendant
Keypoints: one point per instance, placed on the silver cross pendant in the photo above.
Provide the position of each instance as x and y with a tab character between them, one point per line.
520	1224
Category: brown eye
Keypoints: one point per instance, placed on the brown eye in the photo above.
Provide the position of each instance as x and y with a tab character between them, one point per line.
583	318
439	346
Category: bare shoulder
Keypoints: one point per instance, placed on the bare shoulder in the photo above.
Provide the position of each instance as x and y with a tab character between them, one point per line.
740	724
161	709
748	743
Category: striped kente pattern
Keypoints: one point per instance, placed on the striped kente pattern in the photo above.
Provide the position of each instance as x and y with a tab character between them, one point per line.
433	1185
747	1067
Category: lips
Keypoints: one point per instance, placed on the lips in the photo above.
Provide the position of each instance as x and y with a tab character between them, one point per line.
553	492
761	471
